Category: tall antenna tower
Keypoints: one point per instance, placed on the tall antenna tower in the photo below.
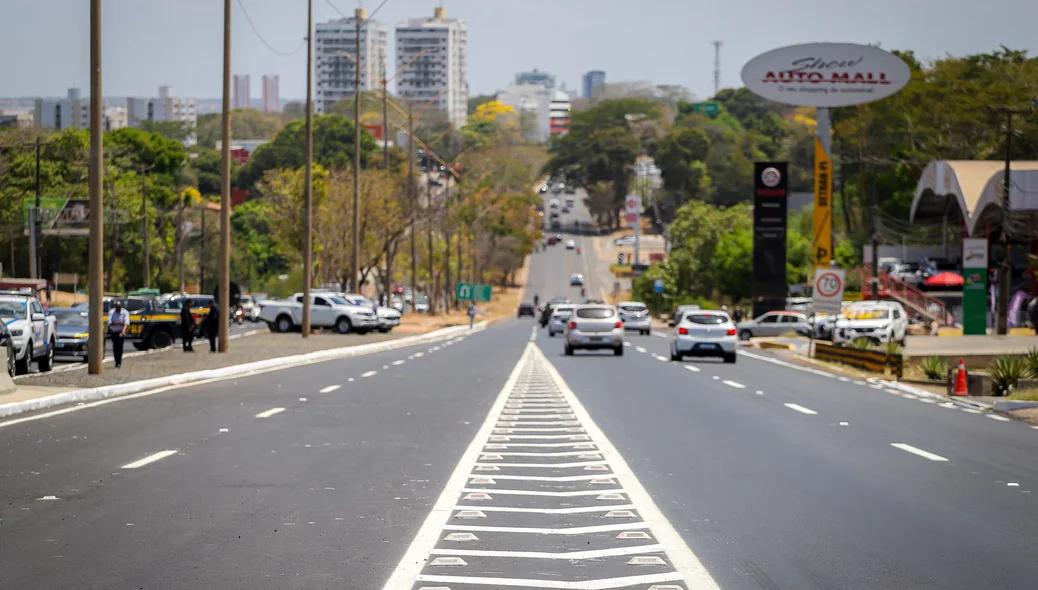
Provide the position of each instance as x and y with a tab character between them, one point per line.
717	66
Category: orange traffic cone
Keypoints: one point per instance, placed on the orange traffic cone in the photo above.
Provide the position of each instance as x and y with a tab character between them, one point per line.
961	380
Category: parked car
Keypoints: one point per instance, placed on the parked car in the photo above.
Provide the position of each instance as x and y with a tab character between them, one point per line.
775	323
594	327
422	305
527	309
7	342
879	321
909	273
704	333
635	316
33	332
565	209
559	318
326	311
388	318
625	241
73	326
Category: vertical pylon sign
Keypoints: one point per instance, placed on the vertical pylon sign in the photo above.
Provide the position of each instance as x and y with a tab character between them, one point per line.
823	242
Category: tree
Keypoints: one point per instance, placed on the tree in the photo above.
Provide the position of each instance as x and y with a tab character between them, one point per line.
178	131
245	124
733	260
475	101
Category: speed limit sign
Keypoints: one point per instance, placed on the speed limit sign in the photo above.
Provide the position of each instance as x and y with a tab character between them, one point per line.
828	291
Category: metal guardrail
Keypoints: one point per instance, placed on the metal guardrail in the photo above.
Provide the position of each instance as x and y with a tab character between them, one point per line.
869	360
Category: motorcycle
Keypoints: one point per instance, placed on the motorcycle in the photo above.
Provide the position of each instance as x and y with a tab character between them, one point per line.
239	315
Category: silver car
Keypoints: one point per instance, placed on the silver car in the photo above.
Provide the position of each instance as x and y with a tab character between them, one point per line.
559	318
635	316
595	327
704	333
775	323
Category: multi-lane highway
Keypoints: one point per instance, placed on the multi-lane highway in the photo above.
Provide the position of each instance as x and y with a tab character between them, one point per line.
492	461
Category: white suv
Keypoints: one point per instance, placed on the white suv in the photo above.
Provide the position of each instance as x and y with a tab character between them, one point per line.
33	332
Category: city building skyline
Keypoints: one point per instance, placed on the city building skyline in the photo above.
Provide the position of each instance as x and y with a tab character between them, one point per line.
591	80
334	48
439	48
271	94
241	91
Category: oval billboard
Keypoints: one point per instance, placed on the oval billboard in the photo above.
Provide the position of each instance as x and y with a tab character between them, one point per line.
826	74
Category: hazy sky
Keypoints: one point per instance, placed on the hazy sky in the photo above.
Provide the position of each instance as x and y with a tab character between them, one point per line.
45	43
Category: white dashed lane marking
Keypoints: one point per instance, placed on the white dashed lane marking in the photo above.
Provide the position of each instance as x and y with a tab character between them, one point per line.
270	412
801	409
398	363
369	374
563	499
917	451
734	384
149	459
330	388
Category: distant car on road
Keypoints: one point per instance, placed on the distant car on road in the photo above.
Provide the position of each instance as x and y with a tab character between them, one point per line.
704	333
570	189
594	327
559	317
635	316
571	245
775	323
33	332
73	333
553	204
549	307
543	189
625	241
552	240
569	202
576	280
556	225
565	209
682	310
527	309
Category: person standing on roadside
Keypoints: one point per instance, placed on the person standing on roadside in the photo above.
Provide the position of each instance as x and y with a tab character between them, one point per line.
118	322
738	314
472	314
187	326
211	324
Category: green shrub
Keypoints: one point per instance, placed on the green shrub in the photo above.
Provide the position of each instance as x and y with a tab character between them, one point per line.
861	343
935	368
1006	372
892	348
1031	360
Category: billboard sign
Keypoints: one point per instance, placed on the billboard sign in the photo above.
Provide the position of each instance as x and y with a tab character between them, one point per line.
770	191
826	74
632	207
60	216
975	289
823	242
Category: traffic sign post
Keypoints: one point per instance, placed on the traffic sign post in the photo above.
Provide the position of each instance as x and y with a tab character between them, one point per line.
474	292
828	291
709	108
657	286
633	209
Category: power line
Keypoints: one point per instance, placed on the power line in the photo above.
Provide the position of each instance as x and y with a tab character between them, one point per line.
252	26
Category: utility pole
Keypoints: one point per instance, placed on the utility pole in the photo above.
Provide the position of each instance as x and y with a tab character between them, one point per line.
308	247
144	230
201	277
34	223
385	119
96	345
414	204
432	259
355	254
224	302
1006	269
717	67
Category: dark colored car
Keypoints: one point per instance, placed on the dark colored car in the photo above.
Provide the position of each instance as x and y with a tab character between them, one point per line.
527	309
8	343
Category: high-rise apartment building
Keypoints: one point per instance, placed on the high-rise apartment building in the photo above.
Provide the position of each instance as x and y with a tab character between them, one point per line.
592	80
165	107
438	75
242	92
336	44
271	95
535	77
72	111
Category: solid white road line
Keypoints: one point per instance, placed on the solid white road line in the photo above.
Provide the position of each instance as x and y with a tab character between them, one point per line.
330	388
917	451
270	412
555	478
589	554
575	494
509	445
577	530
734	384
565	454
544	465
149	459
574	510
369	374
415	557
997	417
604	584
801	409
681	556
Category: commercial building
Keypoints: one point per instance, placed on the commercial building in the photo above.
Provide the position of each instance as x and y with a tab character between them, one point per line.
536	77
438	75
72	111
165	107
592	80
271	95
115	118
560	113
242	92
533	103
336	44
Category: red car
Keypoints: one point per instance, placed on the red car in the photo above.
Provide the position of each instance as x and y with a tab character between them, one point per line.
552	240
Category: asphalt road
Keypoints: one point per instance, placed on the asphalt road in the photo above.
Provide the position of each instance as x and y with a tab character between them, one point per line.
495	461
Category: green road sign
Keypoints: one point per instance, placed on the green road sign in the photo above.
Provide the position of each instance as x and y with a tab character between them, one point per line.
710	108
474	292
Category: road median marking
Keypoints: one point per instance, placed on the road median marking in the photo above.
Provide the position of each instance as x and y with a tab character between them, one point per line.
917	451
734	384
801	409
149	459
330	389
369	374
270	412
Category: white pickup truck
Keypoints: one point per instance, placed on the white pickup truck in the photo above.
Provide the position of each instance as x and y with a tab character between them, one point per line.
33	332
326	311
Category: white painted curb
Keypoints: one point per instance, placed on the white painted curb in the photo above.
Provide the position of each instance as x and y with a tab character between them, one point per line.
109	391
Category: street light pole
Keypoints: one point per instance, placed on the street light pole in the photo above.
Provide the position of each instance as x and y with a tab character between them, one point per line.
308	247
355	254
225	188
385	120
96	344
34	223
144	229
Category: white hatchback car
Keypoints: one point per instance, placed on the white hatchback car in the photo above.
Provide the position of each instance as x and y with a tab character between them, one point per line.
704	333
594	327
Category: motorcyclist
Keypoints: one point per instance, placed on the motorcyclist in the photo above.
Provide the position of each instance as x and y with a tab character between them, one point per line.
583	291
536	300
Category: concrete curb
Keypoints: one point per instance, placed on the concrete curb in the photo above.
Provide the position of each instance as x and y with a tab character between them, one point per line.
905	388
109	391
773	345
